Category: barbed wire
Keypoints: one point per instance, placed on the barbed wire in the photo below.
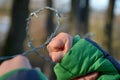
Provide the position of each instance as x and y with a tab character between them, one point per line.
30	43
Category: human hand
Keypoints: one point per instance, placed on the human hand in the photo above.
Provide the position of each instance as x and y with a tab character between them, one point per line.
15	63
92	76
59	45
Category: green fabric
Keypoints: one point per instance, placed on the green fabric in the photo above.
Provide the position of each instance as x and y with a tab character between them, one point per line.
84	58
5	76
42	76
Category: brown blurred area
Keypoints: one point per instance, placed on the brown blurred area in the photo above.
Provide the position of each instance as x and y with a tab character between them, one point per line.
97	19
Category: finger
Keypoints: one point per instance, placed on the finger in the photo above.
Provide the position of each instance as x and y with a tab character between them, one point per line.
55	45
56	56
15	63
68	43
21	61
92	76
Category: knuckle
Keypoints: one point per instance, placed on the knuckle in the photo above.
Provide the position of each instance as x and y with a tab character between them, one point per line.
48	48
5	62
20	58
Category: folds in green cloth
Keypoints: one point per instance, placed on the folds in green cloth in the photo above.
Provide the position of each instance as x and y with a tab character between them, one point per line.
83	58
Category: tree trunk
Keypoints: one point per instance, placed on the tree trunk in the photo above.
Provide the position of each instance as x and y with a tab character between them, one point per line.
17	33
50	26
82	14
72	19
50	29
109	25
79	16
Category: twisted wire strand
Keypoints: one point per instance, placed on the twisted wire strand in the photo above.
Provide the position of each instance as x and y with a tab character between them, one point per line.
30	43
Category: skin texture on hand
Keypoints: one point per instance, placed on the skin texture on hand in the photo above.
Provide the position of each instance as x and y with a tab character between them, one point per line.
92	76
59	46
15	63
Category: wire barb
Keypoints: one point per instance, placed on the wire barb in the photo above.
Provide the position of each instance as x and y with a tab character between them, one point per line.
30	44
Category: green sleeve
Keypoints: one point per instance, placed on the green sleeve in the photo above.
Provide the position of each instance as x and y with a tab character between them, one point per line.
84	58
5	76
13	72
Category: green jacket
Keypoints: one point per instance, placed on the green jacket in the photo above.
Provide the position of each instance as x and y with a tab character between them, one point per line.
85	57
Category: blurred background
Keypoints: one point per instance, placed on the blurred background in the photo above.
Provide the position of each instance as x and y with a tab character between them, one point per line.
97	19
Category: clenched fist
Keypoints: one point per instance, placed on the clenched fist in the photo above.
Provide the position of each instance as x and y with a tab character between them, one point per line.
59	46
